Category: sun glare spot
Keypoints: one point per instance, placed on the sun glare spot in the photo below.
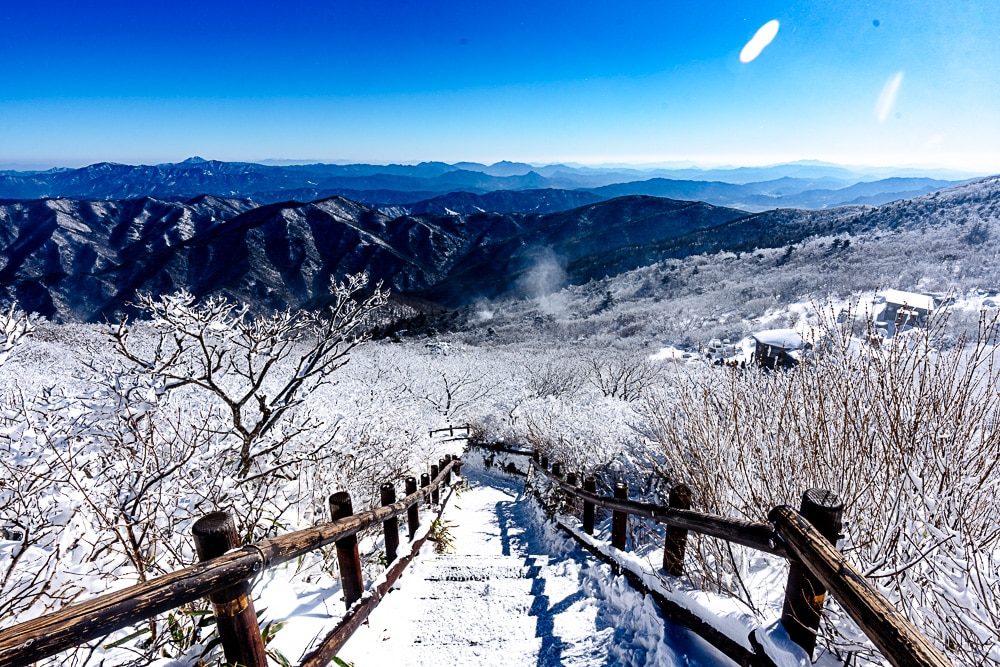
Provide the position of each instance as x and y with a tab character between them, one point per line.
764	36
887	98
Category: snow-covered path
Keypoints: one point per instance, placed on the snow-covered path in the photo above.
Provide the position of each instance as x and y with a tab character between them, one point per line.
513	591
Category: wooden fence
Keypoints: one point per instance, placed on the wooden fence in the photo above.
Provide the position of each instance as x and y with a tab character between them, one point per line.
806	538
224	577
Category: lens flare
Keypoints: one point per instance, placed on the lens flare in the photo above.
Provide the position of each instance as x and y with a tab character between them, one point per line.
764	36
887	98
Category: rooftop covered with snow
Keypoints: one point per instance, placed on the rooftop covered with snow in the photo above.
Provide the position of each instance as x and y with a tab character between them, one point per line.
786	339
910	299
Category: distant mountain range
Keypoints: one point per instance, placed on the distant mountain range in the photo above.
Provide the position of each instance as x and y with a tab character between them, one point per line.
408	188
84	260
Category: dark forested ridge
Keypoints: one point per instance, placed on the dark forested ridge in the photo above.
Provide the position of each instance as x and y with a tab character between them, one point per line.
83	260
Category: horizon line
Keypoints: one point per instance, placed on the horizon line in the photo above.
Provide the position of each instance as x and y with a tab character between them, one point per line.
28	166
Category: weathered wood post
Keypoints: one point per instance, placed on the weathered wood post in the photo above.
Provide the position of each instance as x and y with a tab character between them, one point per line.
347	551
619	520
413	511
458	465
589	484
425	481
214	535
442	464
572	500
804	594
675	539
390	527
544	463
435	493
536	456
557	470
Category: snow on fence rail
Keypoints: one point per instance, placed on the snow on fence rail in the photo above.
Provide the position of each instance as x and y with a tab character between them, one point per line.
450	430
806	538
224	575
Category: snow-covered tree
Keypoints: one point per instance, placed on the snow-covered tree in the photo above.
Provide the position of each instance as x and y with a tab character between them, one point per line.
258	369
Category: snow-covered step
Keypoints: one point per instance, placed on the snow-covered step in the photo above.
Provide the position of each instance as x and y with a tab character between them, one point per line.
505	587
537	578
484	568
499	654
473	623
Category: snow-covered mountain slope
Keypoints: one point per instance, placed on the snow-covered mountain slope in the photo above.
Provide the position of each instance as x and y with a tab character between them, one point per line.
76	260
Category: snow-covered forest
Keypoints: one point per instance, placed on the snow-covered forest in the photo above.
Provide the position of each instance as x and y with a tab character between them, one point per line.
115	438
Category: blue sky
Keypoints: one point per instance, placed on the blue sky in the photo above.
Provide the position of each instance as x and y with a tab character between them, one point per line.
627	81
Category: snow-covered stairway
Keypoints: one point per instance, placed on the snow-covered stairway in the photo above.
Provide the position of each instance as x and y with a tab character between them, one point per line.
513	592
487	610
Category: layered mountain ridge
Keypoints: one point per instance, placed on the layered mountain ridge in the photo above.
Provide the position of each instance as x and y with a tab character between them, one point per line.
84	260
408	187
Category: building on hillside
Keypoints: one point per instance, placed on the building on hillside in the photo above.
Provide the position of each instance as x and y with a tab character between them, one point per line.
777	348
903	310
719	350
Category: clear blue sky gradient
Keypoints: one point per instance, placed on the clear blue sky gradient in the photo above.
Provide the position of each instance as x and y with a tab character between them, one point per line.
590	82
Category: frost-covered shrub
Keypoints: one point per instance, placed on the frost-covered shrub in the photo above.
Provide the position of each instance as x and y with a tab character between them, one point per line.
256	369
204	408
907	433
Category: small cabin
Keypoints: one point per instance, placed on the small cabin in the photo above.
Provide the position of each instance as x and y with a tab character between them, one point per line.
903	310
777	348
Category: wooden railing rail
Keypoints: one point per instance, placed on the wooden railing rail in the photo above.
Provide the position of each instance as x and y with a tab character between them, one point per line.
450	430
760	536
789	535
323	653
888	629
76	624
506	449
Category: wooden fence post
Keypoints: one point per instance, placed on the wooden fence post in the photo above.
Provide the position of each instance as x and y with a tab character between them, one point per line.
458	465
804	594
675	539
572	500
413	511
347	551
214	535
536	456
425	481
545	463
390	527
619	520
435	494
442	464
557	470
589	484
